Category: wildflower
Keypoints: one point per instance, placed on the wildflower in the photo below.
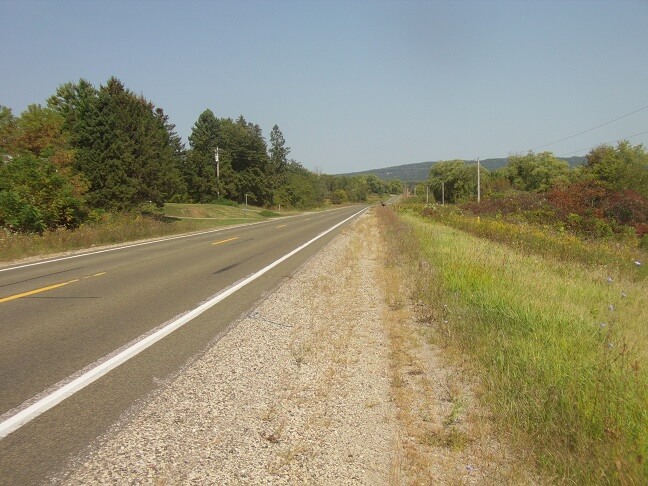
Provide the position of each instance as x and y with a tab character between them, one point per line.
638	263
609	345
611	308
609	280
623	294
470	468
602	325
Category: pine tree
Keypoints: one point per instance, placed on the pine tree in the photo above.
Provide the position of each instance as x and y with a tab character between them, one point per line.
278	151
122	144
200	170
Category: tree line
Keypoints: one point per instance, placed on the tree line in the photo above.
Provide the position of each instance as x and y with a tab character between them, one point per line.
606	195
624	167
91	150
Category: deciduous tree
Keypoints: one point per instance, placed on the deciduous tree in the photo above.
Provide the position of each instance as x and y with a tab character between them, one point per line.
623	167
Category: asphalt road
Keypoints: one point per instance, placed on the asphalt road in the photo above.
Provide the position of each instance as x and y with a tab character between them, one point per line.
61	316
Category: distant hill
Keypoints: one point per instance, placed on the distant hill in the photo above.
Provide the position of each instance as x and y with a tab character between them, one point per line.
420	171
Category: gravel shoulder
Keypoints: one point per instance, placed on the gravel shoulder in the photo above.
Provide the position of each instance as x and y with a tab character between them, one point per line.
325	382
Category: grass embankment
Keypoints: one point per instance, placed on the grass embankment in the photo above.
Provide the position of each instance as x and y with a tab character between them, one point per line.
119	228
559	344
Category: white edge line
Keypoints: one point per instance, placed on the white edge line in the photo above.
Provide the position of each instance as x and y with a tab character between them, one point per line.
21	418
150	242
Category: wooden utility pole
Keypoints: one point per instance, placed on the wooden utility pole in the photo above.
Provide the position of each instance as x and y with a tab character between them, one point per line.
478	182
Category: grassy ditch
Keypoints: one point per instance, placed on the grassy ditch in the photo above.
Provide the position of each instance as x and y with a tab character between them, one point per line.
559	345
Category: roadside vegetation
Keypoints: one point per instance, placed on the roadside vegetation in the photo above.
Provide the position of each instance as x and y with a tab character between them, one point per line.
558	345
541	289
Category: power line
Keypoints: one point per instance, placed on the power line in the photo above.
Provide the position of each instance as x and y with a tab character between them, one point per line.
605	143
590	129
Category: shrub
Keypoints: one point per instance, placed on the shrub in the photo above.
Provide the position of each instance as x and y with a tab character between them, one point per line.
625	207
36	195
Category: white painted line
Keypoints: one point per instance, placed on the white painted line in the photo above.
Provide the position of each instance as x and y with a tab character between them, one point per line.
16	421
150	242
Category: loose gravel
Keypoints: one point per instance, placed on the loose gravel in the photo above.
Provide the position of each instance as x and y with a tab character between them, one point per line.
297	392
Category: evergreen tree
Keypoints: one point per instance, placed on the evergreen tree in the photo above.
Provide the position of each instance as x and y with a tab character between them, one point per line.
200	169
122	145
278	152
175	186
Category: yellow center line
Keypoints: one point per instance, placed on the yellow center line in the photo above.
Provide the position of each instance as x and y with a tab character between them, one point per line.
45	289
225	241
36	291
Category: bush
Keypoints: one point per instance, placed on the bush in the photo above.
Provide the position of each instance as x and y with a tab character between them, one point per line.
512	202
587	208
36	195
225	202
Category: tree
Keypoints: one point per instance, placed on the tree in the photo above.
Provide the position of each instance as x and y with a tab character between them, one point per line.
278	152
38	190
246	161
623	167
122	145
535	172
175	188
376	185
457	180
40	131
7	131
200	171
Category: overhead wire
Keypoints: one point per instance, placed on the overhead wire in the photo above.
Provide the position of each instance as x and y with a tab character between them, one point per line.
586	131
590	129
604	143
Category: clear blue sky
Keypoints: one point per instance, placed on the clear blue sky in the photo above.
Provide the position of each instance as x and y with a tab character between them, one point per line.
353	85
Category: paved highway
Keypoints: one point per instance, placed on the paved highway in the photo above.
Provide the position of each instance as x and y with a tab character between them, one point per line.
59	319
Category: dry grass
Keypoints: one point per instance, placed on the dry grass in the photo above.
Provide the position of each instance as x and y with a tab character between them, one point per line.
447	436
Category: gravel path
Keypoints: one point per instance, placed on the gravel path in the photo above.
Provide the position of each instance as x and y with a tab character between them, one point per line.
298	392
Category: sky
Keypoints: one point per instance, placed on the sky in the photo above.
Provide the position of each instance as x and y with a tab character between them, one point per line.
358	84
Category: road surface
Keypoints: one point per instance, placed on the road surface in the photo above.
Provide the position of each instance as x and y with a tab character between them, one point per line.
59	319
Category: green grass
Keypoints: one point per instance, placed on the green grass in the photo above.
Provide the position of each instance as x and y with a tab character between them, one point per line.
560	346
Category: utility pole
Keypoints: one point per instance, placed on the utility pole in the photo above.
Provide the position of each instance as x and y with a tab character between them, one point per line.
217	171
478	181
